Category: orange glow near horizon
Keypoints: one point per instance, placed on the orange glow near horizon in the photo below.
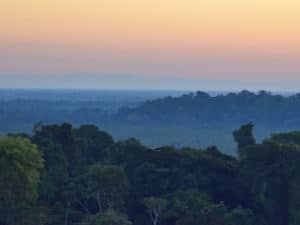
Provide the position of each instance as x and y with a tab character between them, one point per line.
151	37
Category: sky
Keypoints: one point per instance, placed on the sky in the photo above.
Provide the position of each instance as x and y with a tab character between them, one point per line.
136	44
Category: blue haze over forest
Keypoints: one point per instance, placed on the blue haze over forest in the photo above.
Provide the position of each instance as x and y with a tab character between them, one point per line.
140	82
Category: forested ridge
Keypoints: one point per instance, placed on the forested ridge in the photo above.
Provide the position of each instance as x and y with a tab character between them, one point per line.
65	175
233	108
196	119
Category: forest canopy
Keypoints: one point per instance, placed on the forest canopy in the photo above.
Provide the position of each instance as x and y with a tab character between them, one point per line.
65	175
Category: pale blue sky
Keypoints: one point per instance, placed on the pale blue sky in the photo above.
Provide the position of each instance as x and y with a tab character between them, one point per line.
138	82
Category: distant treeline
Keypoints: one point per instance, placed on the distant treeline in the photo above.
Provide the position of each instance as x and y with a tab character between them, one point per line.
61	175
195	119
262	108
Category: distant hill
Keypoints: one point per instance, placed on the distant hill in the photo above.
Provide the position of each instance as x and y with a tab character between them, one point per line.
197	119
261	108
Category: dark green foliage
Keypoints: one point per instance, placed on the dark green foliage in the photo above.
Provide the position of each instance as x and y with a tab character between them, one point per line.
155	207
244	137
88	179
93	143
109	217
20	166
194	208
101	188
243	216
271	171
292	138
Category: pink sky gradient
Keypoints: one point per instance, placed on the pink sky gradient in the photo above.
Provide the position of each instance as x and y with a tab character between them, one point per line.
255	40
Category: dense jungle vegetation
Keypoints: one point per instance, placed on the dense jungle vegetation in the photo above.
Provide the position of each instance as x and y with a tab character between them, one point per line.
65	175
